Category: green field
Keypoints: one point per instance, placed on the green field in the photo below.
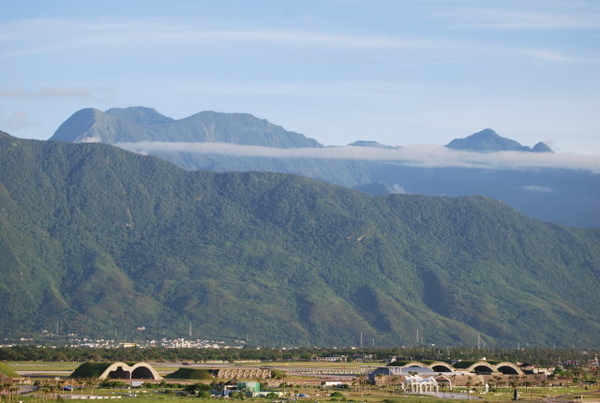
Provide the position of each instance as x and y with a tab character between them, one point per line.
561	395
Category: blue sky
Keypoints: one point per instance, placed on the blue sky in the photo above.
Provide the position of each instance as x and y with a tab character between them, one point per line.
401	72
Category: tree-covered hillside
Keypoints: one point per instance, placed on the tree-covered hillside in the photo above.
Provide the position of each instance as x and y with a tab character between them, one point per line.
101	240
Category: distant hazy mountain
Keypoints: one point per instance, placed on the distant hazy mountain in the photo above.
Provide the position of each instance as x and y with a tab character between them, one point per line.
489	141
566	196
145	124
570	197
98	240
373	144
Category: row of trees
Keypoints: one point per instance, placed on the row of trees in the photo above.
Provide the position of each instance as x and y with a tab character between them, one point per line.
535	356
10	390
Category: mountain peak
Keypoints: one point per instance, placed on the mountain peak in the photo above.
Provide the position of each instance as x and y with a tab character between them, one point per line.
371	144
488	140
542	147
124	125
139	114
86	125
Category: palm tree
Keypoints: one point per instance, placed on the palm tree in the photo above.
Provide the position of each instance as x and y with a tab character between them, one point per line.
394	381
37	387
11	388
81	383
478	385
468	384
55	389
362	382
497	380
91	382
46	388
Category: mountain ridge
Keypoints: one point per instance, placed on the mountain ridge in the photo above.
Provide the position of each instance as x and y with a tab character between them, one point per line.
97	239
143	118
118	125
488	140
570	197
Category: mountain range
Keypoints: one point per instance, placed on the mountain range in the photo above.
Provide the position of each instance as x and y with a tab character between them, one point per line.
97	240
118	125
488	140
564	196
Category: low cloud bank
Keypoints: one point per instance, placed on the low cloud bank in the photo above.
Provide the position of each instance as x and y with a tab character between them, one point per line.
426	156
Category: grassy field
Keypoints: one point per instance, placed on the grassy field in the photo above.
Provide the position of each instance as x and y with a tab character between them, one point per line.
177	399
370	395
370	398
42	366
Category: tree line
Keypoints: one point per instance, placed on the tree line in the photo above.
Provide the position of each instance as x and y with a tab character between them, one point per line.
535	356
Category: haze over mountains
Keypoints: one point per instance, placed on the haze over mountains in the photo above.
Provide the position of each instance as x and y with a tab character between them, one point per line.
485	163
101	240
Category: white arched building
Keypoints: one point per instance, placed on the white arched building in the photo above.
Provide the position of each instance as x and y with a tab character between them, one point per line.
417	384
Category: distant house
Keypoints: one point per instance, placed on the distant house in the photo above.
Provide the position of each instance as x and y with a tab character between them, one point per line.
362	358
337	358
250	386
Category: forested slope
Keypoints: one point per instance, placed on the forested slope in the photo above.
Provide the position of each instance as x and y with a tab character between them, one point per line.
102	240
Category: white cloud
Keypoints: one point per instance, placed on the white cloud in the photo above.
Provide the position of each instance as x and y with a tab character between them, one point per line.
51	35
556	56
398	189
525	19
15	121
417	156
538	188
49	92
548	55
335	90
92	140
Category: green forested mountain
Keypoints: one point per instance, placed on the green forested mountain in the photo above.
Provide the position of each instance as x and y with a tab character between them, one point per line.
101	240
